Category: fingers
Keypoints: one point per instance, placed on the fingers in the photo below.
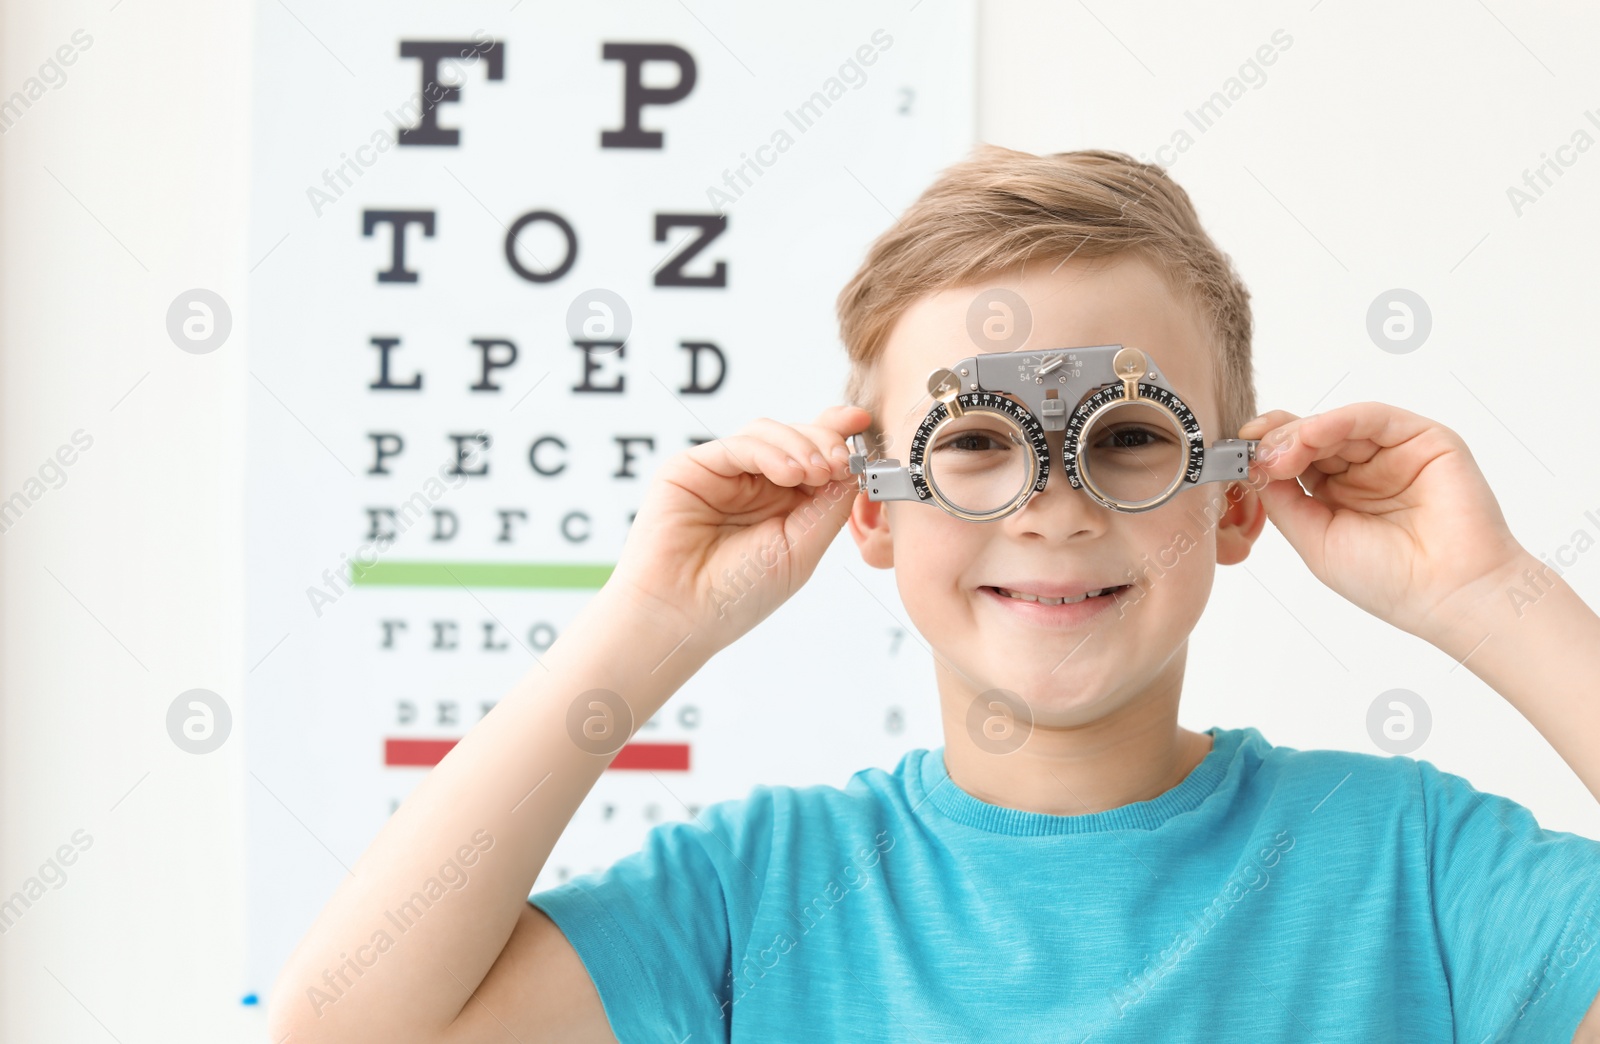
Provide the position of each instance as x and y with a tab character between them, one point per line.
1330	442
788	455
819	447
810	445
1270	431
735	455
1256	427
847	420
808	449
832	426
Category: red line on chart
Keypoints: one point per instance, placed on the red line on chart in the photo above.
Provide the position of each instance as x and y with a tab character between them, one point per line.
425	753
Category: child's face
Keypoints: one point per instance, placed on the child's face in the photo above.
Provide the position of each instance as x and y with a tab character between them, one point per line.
1070	663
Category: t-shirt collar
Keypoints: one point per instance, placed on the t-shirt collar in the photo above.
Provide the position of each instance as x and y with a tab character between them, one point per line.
940	792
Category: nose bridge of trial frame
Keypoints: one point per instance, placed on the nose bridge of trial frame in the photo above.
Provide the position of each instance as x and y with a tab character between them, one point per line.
1037	378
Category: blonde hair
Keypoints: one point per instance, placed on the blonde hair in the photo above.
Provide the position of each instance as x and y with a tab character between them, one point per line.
1000	208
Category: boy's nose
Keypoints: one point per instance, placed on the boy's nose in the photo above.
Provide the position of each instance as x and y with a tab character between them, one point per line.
1058	511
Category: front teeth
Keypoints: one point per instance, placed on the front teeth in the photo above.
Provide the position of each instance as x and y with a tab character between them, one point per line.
1023	596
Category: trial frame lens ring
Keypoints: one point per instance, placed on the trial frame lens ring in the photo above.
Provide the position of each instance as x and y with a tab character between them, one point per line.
1082	454
1018	437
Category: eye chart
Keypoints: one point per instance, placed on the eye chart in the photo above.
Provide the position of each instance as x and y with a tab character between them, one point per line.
505	259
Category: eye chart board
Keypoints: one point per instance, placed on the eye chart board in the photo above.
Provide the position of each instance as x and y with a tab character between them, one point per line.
504	260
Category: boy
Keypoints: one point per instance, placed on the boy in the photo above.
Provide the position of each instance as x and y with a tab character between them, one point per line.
1071	865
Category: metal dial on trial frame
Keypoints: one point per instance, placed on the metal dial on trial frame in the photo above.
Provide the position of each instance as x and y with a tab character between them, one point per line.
1111	396
1012	415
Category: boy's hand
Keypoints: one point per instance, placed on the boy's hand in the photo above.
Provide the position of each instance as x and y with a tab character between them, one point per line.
728	530
1398	519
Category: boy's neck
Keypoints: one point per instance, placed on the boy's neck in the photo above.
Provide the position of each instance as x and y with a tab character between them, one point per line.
1135	754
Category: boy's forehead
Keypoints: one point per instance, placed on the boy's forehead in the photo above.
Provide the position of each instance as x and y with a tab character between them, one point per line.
1108	301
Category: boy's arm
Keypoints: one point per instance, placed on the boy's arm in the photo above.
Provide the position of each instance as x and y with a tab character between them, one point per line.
395	956
1529	636
515	780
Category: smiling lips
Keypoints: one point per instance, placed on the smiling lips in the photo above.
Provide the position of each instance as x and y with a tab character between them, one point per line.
1055	596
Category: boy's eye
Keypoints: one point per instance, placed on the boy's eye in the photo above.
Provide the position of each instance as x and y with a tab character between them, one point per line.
1131	437
974	442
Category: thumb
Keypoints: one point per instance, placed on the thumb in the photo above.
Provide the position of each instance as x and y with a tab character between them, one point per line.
1300	517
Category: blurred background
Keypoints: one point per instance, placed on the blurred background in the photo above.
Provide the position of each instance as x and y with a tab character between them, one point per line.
338	342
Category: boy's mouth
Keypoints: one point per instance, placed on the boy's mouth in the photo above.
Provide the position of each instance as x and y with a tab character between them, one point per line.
1057	595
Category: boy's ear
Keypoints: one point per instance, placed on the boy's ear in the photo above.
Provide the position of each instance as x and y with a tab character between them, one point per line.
1240	524
869	524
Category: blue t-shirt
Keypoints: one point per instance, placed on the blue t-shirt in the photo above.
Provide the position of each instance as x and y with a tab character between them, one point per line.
1273	895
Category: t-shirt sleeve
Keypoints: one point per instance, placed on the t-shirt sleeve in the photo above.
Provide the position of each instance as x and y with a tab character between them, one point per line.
657	930
1515	906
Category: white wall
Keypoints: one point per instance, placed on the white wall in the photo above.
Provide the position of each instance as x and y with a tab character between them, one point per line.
121	188
1377	154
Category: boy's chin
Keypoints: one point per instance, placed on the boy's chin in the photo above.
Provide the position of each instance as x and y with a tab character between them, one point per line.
1059	664
1043	683
1020	706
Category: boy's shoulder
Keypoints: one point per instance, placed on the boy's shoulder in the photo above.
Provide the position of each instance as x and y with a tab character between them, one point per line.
1375	790
867	795
1303	770
1257	753
870	786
